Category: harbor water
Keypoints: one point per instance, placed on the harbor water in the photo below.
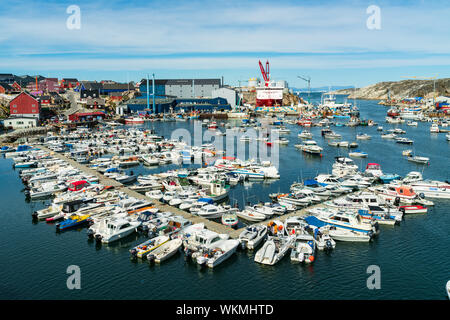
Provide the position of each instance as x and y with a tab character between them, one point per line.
413	257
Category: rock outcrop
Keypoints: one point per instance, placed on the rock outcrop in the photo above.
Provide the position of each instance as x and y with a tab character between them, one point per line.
399	89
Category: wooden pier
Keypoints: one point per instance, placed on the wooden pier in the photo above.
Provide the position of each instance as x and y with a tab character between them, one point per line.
211	225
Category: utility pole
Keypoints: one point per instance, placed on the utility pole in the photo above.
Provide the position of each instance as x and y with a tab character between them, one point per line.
148	94
153	87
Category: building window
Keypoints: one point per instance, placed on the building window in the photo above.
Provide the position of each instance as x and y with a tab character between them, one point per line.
15	106
33	105
15	111
33	111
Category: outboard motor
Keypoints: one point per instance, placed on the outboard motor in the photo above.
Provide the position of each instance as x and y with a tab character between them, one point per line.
397	201
328	245
151	258
133	253
188	253
421	195
34	215
98	238
243	245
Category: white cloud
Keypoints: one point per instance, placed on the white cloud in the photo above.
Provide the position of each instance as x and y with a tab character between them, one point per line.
208	27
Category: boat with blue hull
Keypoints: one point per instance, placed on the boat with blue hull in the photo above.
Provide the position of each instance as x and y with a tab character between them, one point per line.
73	222
388	178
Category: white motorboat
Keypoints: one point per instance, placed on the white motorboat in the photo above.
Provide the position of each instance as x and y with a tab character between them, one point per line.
251	215
405	194
418	159
48	212
389	136
348	220
358	154
310	146
305	135
211	211
47	189
295	225
404	141
217	252
303	249
434	128
252	236
313	196
165	251
274	249
125	178
169	195
363	136
282	141
116	229
339	234
322	238
142	250
150	161
355	182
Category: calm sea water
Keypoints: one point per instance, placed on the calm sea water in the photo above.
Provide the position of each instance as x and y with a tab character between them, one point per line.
414	257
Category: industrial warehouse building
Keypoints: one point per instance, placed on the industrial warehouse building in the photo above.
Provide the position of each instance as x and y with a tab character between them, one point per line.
181	88
163	105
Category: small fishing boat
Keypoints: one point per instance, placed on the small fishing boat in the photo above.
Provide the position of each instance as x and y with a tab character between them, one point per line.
251	215
73	221
48	212
305	135
417	159
358	154
217	252
155	194
303	249
252	236
134	120
389	136
434	128
388	178
404	141
274	249
413	209
142	250
165	251
363	136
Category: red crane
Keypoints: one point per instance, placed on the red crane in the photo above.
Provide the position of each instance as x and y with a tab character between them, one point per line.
265	73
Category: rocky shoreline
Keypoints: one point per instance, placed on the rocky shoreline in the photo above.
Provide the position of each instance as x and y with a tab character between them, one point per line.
399	89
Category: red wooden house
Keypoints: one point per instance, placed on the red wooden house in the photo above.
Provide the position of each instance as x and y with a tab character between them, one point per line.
25	105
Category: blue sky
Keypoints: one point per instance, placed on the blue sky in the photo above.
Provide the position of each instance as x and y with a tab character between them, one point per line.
327	40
